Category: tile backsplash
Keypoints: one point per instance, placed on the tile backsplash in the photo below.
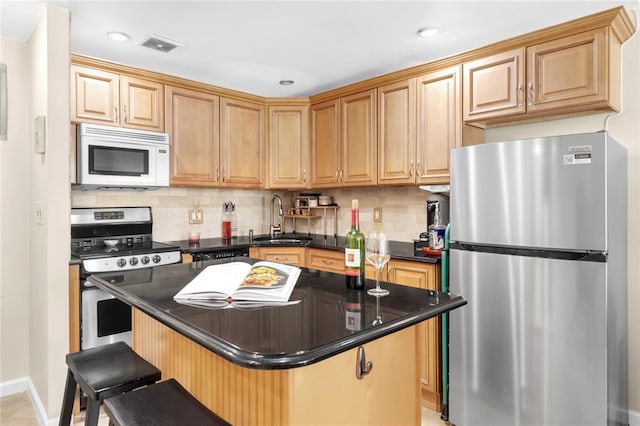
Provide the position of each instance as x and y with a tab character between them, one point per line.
403	209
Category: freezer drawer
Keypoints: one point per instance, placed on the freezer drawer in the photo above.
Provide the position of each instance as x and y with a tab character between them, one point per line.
530	347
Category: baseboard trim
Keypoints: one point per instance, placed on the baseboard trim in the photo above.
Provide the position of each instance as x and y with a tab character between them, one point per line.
24	384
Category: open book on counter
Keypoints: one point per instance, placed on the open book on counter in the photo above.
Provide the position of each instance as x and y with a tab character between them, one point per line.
241	284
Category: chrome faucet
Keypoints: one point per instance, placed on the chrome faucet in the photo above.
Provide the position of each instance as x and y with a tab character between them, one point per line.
274	229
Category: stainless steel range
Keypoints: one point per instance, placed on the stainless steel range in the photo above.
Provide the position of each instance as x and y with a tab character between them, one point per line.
113	240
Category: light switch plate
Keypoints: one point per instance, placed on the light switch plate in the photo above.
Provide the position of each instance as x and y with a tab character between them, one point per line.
377	215
39	213
40	135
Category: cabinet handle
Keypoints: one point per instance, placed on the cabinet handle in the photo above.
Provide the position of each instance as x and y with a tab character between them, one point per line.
337	175
304	176
363	367
124	113
519	95
115	115
418	168
328	262
281	258
341	175
411	168
530	96
222	174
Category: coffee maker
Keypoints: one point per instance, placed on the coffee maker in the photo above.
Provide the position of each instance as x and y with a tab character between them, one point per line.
437	202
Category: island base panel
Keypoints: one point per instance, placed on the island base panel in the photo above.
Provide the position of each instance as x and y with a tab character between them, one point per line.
241	396
326	392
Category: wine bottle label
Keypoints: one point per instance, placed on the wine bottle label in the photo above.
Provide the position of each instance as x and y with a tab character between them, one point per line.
352	320
352	258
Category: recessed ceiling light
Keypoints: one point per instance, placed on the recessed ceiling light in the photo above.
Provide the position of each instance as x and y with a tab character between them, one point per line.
427	31
118	36
286	82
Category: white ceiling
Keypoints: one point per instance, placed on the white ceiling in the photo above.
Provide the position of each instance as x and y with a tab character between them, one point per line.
321	45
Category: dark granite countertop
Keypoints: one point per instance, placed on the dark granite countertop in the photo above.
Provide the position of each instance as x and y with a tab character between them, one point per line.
276	337
399	249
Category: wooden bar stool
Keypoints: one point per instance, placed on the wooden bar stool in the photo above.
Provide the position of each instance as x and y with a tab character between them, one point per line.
165	403
102	372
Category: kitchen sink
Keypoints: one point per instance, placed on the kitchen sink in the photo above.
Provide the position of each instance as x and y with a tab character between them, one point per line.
296	240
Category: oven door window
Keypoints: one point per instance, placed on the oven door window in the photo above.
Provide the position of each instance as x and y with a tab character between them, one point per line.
117	161
114	317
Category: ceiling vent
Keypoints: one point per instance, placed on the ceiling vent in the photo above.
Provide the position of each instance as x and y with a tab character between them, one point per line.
161	44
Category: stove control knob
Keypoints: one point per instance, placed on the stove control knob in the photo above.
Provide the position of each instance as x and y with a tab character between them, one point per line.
133	261
122	262
156	258
145	260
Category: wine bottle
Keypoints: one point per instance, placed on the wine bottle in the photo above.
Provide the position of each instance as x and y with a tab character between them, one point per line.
354	255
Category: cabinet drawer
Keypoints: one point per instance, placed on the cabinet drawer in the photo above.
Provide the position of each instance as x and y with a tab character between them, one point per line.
289	255
326	260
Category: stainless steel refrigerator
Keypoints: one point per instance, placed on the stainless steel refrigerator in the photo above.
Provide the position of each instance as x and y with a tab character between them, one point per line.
538	249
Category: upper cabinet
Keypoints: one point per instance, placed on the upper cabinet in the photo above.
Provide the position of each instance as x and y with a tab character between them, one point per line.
193	127
568	69
419	122
343	141
112	99
242	141
288	146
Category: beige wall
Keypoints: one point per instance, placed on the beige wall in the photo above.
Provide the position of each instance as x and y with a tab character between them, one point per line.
48	187
625	128
14	180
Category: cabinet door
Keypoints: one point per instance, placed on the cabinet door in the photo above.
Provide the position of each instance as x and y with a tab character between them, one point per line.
325	143
95	96
397	133
241	144
288	146
192	124
422	275
359	161
142	104
494	86
439	123
567	72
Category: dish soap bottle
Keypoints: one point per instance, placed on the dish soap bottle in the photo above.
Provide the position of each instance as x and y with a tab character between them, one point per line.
354	255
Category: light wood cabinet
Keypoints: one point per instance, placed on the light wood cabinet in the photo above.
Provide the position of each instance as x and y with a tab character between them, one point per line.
419	122
439	127
288	255
242	141
288	146
193	127
426	276
343	141
333	261
397	133
567	75
107	98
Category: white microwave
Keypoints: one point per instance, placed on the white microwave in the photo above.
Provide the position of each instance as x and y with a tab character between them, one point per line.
113	157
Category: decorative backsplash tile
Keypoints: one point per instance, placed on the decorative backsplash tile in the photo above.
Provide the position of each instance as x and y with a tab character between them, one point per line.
403	209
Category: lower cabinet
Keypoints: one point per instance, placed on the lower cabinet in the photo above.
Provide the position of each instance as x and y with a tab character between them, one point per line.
427	276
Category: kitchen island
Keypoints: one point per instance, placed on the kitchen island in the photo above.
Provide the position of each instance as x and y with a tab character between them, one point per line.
292	364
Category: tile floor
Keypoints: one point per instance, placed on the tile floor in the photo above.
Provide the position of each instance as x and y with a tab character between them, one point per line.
16	410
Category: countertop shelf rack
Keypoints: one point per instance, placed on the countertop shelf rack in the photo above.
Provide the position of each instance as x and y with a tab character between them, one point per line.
302	210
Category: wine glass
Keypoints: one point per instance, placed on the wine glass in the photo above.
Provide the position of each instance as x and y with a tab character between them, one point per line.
377	248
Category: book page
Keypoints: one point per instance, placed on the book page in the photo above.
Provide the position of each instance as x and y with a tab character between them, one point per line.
268	281
215	281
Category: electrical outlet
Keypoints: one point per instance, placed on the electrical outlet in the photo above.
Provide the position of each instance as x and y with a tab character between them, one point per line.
377	215
195	216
